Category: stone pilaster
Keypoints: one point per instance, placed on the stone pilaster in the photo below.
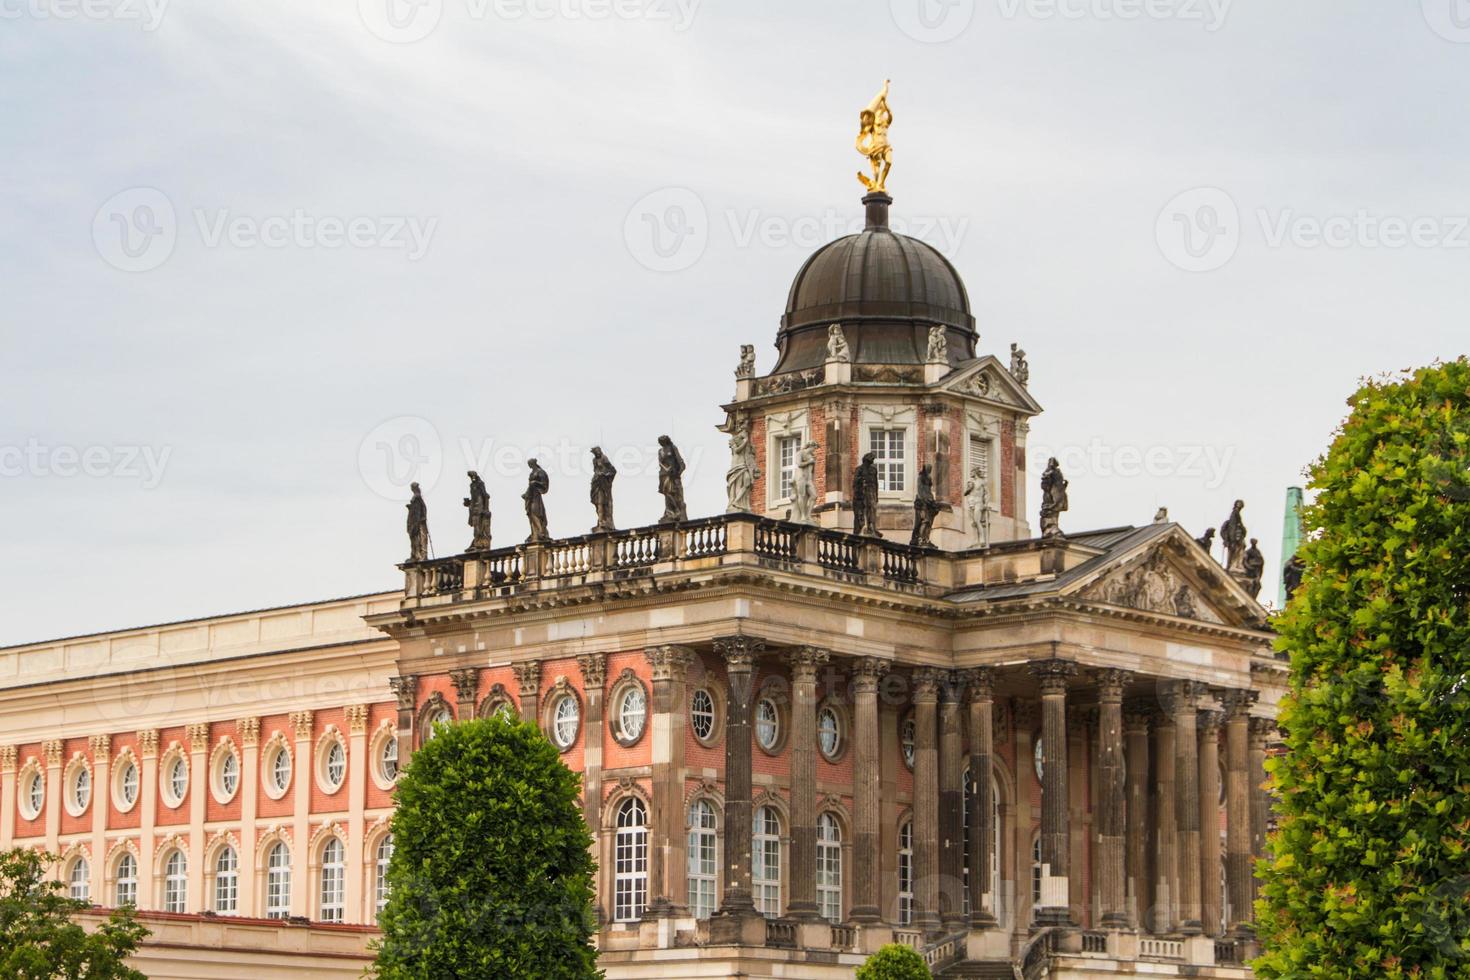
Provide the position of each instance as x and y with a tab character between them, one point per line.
1238	870
951	804
198	737
51	755
148	803
667	883
1112	803
926	801
867	774
466	682
593	667
249	731
980	689
356	716
301	779
805	661
1166	865
406	694
1262	731
1135	741
7	797
1055	818
1209	819
528	680
1180	701
101	749
740	654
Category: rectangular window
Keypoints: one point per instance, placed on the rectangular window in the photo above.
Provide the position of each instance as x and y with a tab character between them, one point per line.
906	874
979	456
888	448
226	892
829	881
788	448
702	873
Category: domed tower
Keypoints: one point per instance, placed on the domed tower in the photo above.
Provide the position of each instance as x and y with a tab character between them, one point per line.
877	352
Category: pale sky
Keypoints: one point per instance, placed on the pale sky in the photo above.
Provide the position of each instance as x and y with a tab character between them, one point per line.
263	260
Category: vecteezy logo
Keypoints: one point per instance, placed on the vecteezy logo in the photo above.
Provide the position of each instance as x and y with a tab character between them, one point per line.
932	21
135	230
398	452
1199	230
668	230
400	21
1450	19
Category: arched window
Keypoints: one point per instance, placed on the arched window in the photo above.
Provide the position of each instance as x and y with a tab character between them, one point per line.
81	788
278	881
703	858
829	868
334	880
566	719
127	784
907	733
702	714
388	759
765	862
829	733
229	774
175	882
127	880
79	879
381	859
1035	873
335	765
280	769
178	780
906	873
630	861
226	881
767	724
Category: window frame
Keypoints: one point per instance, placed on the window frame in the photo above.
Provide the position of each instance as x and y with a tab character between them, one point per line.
84	880
628	685
630	860
889	465
906	872
174	894
716	715
128	862
765	861
702	864
277	882
332	881
829	867
225	882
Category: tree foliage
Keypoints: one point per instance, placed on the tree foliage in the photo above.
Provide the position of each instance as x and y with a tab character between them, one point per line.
39	939
894	961
491	874
1369	872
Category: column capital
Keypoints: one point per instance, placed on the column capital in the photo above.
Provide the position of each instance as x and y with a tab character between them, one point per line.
249	729
806	660
301	725
1209	720
51	749
405	689
1262	731
466	682
926	685
952	686
1053	675
669	662
1177	696
979	684
148	743
594	670
101	746
740	652
866	673
1136	717
7	758
1238	701
356	715
528	677
198	735
1110	683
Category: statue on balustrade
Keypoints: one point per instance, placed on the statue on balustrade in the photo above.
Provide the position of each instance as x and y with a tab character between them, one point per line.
804	490
537	484
926	508
1161	516
1232	535
743	472
938	352
671	481
865	496
977	507
479	504
837	344
1254	565
418	526
1020	369
1206	540
746	367
1053	499
603	474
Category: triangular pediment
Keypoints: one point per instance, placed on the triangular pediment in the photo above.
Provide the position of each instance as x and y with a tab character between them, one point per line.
1171	575
986	378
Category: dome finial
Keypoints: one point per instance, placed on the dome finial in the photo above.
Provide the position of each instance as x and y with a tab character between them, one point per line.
872	141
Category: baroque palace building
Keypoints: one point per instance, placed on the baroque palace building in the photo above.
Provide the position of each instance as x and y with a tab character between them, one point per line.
1024	756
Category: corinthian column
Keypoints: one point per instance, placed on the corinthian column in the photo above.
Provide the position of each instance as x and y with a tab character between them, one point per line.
951	805
739	653
1238	871
804	664
1180	702
926	802
981	688
1209	819
1112	803
1135	736
1262	730
867	865
1055	823
667	883
1166	869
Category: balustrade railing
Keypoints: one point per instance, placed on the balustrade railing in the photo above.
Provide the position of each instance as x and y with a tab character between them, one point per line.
1226	951
1163	949
780	932
567	558
705	540
912	938
943	951
844	937
635	549
839	551
505	568
900	564
776	541
1094	942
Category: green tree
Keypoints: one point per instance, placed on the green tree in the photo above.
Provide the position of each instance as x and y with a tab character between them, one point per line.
894	962
1369	872
39	939
491	873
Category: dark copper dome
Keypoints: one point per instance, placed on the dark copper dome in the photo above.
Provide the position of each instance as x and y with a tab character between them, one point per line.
886	290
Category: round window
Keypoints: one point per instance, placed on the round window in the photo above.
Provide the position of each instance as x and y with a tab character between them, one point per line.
178	780
127	783
334	767
767	724
81	788
829	732
906	740
388	759
229	774
632	713
702	714
566	716
1039	758
35	796
280	770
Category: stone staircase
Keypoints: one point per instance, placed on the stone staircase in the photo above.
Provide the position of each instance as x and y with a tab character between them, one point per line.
980	970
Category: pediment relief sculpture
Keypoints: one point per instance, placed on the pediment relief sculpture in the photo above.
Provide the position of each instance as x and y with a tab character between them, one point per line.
1152	585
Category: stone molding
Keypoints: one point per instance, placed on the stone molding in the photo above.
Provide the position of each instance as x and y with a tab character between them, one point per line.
528	676
405	690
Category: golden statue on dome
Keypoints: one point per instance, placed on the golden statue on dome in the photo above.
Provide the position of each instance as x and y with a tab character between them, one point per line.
872	141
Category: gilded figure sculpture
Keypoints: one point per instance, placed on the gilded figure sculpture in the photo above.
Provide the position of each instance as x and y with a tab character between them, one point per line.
872	141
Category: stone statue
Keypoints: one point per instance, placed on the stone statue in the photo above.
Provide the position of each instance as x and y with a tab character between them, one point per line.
1291	574
865	496
1020	370
671	481
743	471
938	346
603	474
1254	565
537	485
1232	535
837	344
926	508
977	507
1161	516
479	504
418	526
804	492
1206	540
1053	499
872	141
746	368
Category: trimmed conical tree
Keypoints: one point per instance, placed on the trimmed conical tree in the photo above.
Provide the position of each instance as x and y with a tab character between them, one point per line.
491	874
1368	874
